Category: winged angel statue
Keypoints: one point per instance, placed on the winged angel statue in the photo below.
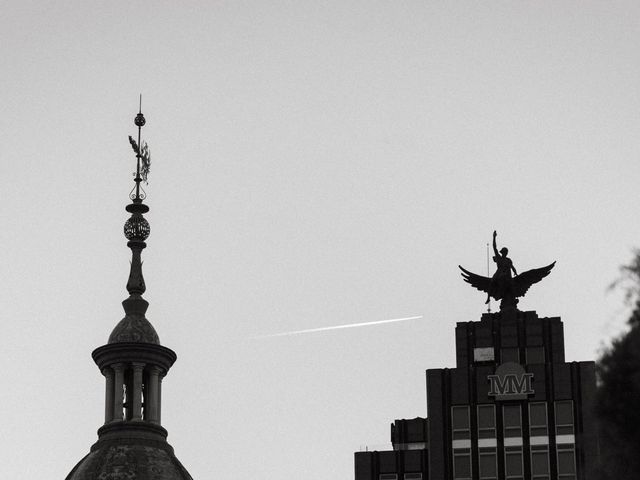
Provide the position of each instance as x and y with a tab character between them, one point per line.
502	286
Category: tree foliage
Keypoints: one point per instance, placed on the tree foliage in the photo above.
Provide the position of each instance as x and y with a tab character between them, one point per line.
618	400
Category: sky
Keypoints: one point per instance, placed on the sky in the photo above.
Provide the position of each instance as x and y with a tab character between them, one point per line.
313	164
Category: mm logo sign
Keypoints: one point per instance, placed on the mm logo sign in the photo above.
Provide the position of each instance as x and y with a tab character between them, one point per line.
510	382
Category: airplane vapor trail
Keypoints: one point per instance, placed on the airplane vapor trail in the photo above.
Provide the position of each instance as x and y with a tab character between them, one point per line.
338	327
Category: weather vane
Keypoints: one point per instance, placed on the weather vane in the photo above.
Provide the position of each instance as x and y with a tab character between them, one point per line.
502	286
137	228
143	157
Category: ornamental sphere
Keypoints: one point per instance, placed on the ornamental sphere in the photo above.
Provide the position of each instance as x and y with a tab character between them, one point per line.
139	120
137	228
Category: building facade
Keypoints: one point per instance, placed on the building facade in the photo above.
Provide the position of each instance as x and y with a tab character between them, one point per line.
511	409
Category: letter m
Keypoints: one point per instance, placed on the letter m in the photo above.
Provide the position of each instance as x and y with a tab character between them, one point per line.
520	385
498	386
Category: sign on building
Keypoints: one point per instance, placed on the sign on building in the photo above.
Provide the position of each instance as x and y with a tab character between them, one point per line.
510	382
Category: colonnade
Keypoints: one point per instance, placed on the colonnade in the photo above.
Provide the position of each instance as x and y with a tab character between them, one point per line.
140	385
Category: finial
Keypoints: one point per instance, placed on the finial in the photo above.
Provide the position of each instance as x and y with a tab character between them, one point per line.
136	228
140	121
143	159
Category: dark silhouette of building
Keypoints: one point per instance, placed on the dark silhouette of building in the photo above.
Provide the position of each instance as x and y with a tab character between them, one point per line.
512	408
132	444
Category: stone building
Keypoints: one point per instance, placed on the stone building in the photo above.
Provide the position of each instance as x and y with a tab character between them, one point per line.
132	444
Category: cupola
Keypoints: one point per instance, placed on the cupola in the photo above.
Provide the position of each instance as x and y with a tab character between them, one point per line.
132	443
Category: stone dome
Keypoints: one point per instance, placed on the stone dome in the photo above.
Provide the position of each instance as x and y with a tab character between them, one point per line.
132	458
134	328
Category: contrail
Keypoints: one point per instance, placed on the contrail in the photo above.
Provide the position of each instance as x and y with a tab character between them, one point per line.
338	327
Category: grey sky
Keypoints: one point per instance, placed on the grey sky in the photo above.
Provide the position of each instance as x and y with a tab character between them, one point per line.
314	164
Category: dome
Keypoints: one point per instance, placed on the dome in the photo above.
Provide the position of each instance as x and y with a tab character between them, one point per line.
134	328
132	458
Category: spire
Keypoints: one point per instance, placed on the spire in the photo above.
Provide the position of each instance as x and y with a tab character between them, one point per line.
132	443
136	228
133	361
135	327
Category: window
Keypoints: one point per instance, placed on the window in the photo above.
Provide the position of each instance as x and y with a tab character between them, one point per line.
486	421
538	419
535	355
539	438
566	462
564	417
388	476
512	421
513	467
461	439
512	429
412	476
540	462
565	441
510	355
462	464
488	464
488	457
460	428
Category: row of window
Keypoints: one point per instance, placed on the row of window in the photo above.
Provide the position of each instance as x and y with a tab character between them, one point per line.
512	420
514	463
512	436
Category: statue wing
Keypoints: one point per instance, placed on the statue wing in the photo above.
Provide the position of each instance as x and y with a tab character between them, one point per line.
477	281
522	282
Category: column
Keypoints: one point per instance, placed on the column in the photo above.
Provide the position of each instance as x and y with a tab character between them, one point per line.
109	395
152	401
160	399
136	399
118	368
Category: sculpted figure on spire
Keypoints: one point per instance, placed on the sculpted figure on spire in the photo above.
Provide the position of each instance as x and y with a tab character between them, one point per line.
502	286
